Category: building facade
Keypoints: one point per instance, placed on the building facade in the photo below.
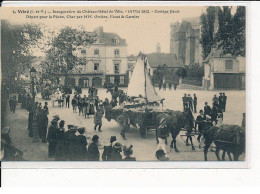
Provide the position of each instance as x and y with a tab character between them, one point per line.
224	71
185	41
104	62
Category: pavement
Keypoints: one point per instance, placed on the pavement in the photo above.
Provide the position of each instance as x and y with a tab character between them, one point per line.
144	149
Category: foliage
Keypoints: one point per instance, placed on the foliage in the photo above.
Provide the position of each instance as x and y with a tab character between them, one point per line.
228	32
195	71
182	72
239	25
61	55
17	41
207	30
164	73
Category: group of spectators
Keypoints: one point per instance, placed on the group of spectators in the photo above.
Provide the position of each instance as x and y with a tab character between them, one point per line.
72	145
189	102
164	86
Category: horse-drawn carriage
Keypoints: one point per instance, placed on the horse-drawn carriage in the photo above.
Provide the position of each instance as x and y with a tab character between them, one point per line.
144	119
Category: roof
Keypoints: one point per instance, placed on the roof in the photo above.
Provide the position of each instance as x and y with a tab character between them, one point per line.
213	53
160	59
108	37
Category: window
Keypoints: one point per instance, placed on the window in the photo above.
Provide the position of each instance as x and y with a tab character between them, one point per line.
96	52
116	52
115	40
96	66
116	68
83	51
122	79
112	80
228	64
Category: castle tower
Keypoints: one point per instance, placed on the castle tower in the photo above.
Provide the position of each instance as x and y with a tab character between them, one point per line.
173	33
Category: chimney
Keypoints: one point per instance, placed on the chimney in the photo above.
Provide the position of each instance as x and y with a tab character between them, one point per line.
99	31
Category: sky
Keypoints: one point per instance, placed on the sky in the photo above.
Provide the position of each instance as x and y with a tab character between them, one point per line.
141	34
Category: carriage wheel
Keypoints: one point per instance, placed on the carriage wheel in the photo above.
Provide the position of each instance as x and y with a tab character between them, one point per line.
143	132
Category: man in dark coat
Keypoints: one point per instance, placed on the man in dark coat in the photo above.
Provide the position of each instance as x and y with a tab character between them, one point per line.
52	137
200	120
82	143
60	151
68	101
93	152
45	122
189	126
224	102
106	156
207	109
14	103
11	103
214	113
116	150
71	144
215	100
195	103
190	102
185	101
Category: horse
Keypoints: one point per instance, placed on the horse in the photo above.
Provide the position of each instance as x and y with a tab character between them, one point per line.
229	138
175	121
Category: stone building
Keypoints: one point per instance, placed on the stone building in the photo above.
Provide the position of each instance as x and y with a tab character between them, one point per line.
185	41
105	62
224	71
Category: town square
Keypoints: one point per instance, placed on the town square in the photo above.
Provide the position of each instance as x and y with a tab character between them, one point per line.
79	92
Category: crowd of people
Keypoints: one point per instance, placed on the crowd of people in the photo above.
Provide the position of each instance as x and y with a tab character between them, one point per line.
72	145
164	86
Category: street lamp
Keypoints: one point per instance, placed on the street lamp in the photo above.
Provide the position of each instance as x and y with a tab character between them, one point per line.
34	123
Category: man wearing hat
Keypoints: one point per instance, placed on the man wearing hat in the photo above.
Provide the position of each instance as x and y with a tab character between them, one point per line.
51	138
116	150
162	132
128	151
82	144
93	152
70	141
106	156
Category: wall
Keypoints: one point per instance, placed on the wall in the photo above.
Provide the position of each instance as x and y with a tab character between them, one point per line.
111	59
219	65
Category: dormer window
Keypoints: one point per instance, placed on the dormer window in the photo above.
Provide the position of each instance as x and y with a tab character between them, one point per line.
83	51
115	40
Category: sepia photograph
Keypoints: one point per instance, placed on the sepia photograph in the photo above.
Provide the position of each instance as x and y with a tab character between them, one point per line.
123	83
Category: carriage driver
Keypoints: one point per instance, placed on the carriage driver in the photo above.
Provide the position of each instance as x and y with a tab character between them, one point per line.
200	120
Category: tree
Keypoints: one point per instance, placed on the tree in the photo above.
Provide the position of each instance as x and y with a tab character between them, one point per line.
181	72
225	33
17	41
229	34
61	53
207	30
239	28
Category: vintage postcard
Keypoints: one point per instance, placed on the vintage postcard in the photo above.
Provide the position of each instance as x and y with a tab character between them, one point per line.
121	83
